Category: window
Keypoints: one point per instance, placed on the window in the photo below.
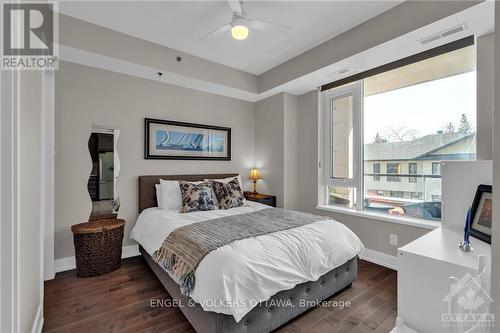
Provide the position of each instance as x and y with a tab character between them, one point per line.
387	134
397	194
376	169
375	192
342	114
417	195
436	168
412	170
393	168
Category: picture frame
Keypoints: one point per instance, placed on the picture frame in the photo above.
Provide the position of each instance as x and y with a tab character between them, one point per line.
481	213
174	140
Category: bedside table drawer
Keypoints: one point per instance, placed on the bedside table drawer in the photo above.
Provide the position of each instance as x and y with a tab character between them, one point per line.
264	199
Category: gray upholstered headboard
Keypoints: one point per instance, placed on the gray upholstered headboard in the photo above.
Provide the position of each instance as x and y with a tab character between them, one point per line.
147	191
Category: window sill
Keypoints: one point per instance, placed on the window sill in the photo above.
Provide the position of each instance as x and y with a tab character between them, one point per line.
411	221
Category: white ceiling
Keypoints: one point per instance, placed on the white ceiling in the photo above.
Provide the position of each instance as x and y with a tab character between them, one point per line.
179	24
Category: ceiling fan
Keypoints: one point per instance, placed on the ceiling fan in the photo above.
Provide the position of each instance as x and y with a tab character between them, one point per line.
241	23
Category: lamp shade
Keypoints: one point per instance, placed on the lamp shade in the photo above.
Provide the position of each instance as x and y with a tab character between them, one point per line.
254	174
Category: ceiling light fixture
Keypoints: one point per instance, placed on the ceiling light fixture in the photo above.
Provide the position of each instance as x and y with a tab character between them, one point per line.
241	24
239	29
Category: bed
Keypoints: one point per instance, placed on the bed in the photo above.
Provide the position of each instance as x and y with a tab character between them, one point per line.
264	290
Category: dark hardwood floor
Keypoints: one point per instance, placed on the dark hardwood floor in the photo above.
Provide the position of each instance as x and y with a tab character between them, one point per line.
121	302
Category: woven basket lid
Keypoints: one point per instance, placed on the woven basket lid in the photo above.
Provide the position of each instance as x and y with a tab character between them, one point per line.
97	226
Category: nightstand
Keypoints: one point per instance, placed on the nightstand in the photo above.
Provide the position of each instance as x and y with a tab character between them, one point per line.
265	199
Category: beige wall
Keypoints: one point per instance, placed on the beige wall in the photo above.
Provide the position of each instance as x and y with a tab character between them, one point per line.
87	96
30	246
269	152
308	147
291	172
485	63
276	153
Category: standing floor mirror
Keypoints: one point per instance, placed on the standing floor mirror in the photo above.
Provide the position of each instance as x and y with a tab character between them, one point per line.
105	167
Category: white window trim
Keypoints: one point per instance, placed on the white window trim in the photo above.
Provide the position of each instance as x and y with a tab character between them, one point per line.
405	220
356	90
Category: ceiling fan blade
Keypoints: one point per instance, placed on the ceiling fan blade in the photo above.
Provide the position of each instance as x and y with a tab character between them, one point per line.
235	6
217	32
263	25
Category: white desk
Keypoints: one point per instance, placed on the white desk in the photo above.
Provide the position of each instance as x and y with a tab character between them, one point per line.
425	266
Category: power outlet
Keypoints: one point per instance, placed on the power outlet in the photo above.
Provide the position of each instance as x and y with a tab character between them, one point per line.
393	239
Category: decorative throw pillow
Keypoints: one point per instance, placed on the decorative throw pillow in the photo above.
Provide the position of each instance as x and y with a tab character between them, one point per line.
229	194
227	180
196	196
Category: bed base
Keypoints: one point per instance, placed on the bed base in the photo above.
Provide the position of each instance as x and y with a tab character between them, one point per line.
265	317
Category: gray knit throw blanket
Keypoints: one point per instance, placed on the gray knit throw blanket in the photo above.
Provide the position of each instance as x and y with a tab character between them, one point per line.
185	247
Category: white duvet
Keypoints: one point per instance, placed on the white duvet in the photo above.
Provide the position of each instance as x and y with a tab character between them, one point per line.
236	277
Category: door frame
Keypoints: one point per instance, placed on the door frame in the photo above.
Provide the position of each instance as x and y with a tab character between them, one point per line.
9	201
48	156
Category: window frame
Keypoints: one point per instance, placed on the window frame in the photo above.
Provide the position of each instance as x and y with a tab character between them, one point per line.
355	90
438	165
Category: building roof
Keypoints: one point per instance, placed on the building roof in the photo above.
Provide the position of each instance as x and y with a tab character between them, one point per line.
414	149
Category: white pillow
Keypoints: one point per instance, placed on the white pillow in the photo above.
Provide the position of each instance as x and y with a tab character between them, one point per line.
227	180
158	196
170	194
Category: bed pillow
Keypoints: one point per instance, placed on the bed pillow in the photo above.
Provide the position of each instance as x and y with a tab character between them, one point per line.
229	194
227	180
197	196
158	196
170	194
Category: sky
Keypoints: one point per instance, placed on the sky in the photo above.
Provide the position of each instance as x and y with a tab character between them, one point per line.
424	108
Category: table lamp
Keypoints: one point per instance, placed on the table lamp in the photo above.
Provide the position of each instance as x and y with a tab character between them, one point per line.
254	175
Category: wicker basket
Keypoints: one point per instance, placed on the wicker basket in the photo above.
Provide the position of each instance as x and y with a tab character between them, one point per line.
98	246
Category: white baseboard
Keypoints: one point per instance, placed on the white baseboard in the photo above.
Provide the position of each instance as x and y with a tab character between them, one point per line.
64	264
401	327
130	251
380	258
38	322
68	263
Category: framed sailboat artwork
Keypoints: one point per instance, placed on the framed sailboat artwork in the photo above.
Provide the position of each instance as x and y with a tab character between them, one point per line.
175	140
